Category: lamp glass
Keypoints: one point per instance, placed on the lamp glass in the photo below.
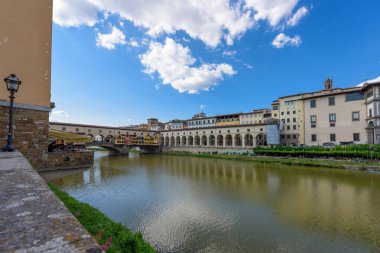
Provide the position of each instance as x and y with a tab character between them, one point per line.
12	86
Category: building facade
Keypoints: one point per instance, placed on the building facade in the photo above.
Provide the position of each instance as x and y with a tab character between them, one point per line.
335	116
255	117
371	92
25	50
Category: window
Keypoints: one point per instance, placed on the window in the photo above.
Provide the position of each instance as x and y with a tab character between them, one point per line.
287	120
288	136
331	101
294	136
282	113
248	130
332	137
109	131
313	103
370	113
228	131
370	94
275	115
294	120
355	116
77	129
313	119
294	112
294	127
288	127
261	129
291	102
282	136
89	130
354	96
313	137
287	112
275	107
356	137
332	117
63	128
118	132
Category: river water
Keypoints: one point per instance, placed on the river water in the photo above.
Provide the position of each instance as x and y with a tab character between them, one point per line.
187	204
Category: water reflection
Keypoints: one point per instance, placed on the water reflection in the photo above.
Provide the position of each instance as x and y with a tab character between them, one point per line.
207	205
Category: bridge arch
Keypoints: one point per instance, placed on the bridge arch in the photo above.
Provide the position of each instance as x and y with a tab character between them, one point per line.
204	140
229	140
248	140
190	141
109	138
91	136
238	141
99	137
260	140
211	140
197	140
219	140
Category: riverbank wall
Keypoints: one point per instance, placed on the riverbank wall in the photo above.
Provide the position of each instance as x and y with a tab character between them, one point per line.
66	161
32	218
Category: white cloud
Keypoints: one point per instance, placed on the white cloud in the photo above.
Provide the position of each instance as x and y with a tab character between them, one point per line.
133	42
229	52
74	13
209	21
282	40
295	19
175	66
60	113
116	37
274	11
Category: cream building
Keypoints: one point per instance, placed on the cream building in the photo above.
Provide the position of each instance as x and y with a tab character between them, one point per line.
290	111
335	116
25	50
371	91
255	117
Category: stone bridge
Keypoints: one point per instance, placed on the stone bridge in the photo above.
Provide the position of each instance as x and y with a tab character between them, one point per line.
124	148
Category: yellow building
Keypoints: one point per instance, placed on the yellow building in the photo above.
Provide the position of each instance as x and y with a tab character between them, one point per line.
25	50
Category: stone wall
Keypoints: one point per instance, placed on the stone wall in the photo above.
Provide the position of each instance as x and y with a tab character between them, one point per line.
30	133
66	160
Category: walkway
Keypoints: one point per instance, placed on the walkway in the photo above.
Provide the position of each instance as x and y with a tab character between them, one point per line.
32	218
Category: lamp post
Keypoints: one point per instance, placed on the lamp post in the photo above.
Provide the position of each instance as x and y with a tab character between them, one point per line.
12	83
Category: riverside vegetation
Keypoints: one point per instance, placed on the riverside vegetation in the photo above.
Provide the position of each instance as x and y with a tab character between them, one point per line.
343	157
113	236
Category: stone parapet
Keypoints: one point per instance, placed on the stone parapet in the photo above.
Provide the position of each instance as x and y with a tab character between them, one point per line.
32	218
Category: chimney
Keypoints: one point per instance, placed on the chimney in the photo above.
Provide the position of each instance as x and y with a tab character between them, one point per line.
328	84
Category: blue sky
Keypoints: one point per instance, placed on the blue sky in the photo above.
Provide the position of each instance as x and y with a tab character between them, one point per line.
119	62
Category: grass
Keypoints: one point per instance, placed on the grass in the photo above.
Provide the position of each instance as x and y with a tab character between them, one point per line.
339	164
103	228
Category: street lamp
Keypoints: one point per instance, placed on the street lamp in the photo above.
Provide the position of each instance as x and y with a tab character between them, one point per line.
12	86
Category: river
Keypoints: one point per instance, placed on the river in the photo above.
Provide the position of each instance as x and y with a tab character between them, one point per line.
188	204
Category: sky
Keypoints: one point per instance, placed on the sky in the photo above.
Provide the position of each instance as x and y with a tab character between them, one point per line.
120	62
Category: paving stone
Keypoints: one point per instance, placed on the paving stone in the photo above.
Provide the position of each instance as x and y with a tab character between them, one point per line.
32	218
